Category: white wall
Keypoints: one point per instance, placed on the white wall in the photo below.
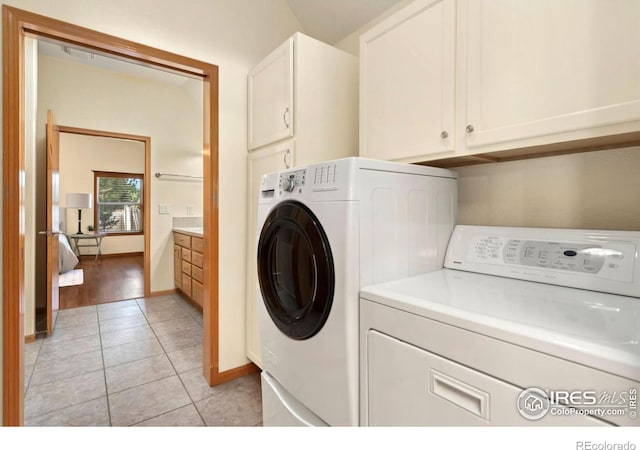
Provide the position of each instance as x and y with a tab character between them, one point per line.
596	190
351	43
79	156
94	98
235	35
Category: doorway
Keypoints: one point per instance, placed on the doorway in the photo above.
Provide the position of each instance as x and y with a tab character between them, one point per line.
16	25
121	270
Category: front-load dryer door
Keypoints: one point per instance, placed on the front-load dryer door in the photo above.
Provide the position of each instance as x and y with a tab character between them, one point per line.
295	270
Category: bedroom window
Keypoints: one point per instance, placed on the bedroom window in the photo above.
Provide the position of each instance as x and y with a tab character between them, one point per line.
118	208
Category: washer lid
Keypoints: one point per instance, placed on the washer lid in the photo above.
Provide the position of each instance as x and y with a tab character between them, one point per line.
591	328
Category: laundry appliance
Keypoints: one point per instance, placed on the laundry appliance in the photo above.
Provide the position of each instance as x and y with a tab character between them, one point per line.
325	231
522	327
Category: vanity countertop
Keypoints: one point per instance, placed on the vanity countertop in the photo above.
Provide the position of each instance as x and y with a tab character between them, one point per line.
191	231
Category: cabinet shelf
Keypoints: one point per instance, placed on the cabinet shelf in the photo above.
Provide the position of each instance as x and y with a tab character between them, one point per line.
561	148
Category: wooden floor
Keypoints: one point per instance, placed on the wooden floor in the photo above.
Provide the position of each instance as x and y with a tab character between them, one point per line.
110	279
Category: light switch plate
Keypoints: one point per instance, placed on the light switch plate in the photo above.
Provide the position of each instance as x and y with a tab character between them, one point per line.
189	210
163	209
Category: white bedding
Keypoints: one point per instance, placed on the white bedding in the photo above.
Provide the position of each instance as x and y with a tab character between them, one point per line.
68	259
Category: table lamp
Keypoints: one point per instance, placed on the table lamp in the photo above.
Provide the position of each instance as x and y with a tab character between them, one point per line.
79	201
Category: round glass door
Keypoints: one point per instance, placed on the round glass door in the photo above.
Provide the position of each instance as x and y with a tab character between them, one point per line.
295	270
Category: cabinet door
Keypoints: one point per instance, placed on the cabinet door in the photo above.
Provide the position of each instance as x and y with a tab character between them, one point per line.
407	84
272	159
177	266
548	67
270	91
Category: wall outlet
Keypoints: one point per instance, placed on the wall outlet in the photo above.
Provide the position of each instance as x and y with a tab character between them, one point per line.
163	209
189	210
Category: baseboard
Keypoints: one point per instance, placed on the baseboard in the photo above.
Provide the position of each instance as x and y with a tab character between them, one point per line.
161	293
114	255
187	299
29	338
234	373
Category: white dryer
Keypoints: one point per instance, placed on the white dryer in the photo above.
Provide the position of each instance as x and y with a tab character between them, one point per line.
522	327
324	231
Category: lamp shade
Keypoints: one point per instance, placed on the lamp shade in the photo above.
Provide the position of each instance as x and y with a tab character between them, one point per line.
79	200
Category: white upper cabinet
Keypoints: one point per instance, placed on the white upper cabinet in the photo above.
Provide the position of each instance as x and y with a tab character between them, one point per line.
546	68
305	90
407	82
270	91
511	76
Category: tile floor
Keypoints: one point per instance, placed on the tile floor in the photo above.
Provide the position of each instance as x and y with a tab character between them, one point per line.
134	362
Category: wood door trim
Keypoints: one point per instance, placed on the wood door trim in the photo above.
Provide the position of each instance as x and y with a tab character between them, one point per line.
146	189
102	133
16	25
12	218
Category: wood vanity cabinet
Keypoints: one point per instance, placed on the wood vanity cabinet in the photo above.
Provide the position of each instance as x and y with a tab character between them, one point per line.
187	266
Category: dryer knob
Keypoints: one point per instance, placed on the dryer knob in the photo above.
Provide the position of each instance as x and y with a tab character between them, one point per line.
289	184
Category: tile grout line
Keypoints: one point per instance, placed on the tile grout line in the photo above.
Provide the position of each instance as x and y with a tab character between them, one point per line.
101	349
104	370
64	377
68	406
133	360
167	412
26	390
177	374
36	362
180	378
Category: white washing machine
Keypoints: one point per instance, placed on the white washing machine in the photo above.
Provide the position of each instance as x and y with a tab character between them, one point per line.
324	231
522	327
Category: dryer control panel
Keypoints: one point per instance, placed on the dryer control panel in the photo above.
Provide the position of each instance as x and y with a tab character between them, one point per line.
292	182
588	259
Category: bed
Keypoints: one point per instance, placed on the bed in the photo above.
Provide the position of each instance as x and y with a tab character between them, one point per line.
68	259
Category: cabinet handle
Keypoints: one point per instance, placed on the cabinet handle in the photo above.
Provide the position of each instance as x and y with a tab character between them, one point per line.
444	135
284	117
465	396
284	158
469	128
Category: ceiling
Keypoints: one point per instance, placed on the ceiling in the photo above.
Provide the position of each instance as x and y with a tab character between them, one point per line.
327	20
63	51
332	20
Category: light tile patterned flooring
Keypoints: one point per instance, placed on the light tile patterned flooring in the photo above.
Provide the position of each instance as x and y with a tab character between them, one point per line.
134	362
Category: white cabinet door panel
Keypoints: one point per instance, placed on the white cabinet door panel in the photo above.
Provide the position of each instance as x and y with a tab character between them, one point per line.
549	67
270	90
407	82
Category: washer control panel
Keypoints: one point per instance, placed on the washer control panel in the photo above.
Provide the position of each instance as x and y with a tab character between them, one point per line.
292	182
588	258
606	261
